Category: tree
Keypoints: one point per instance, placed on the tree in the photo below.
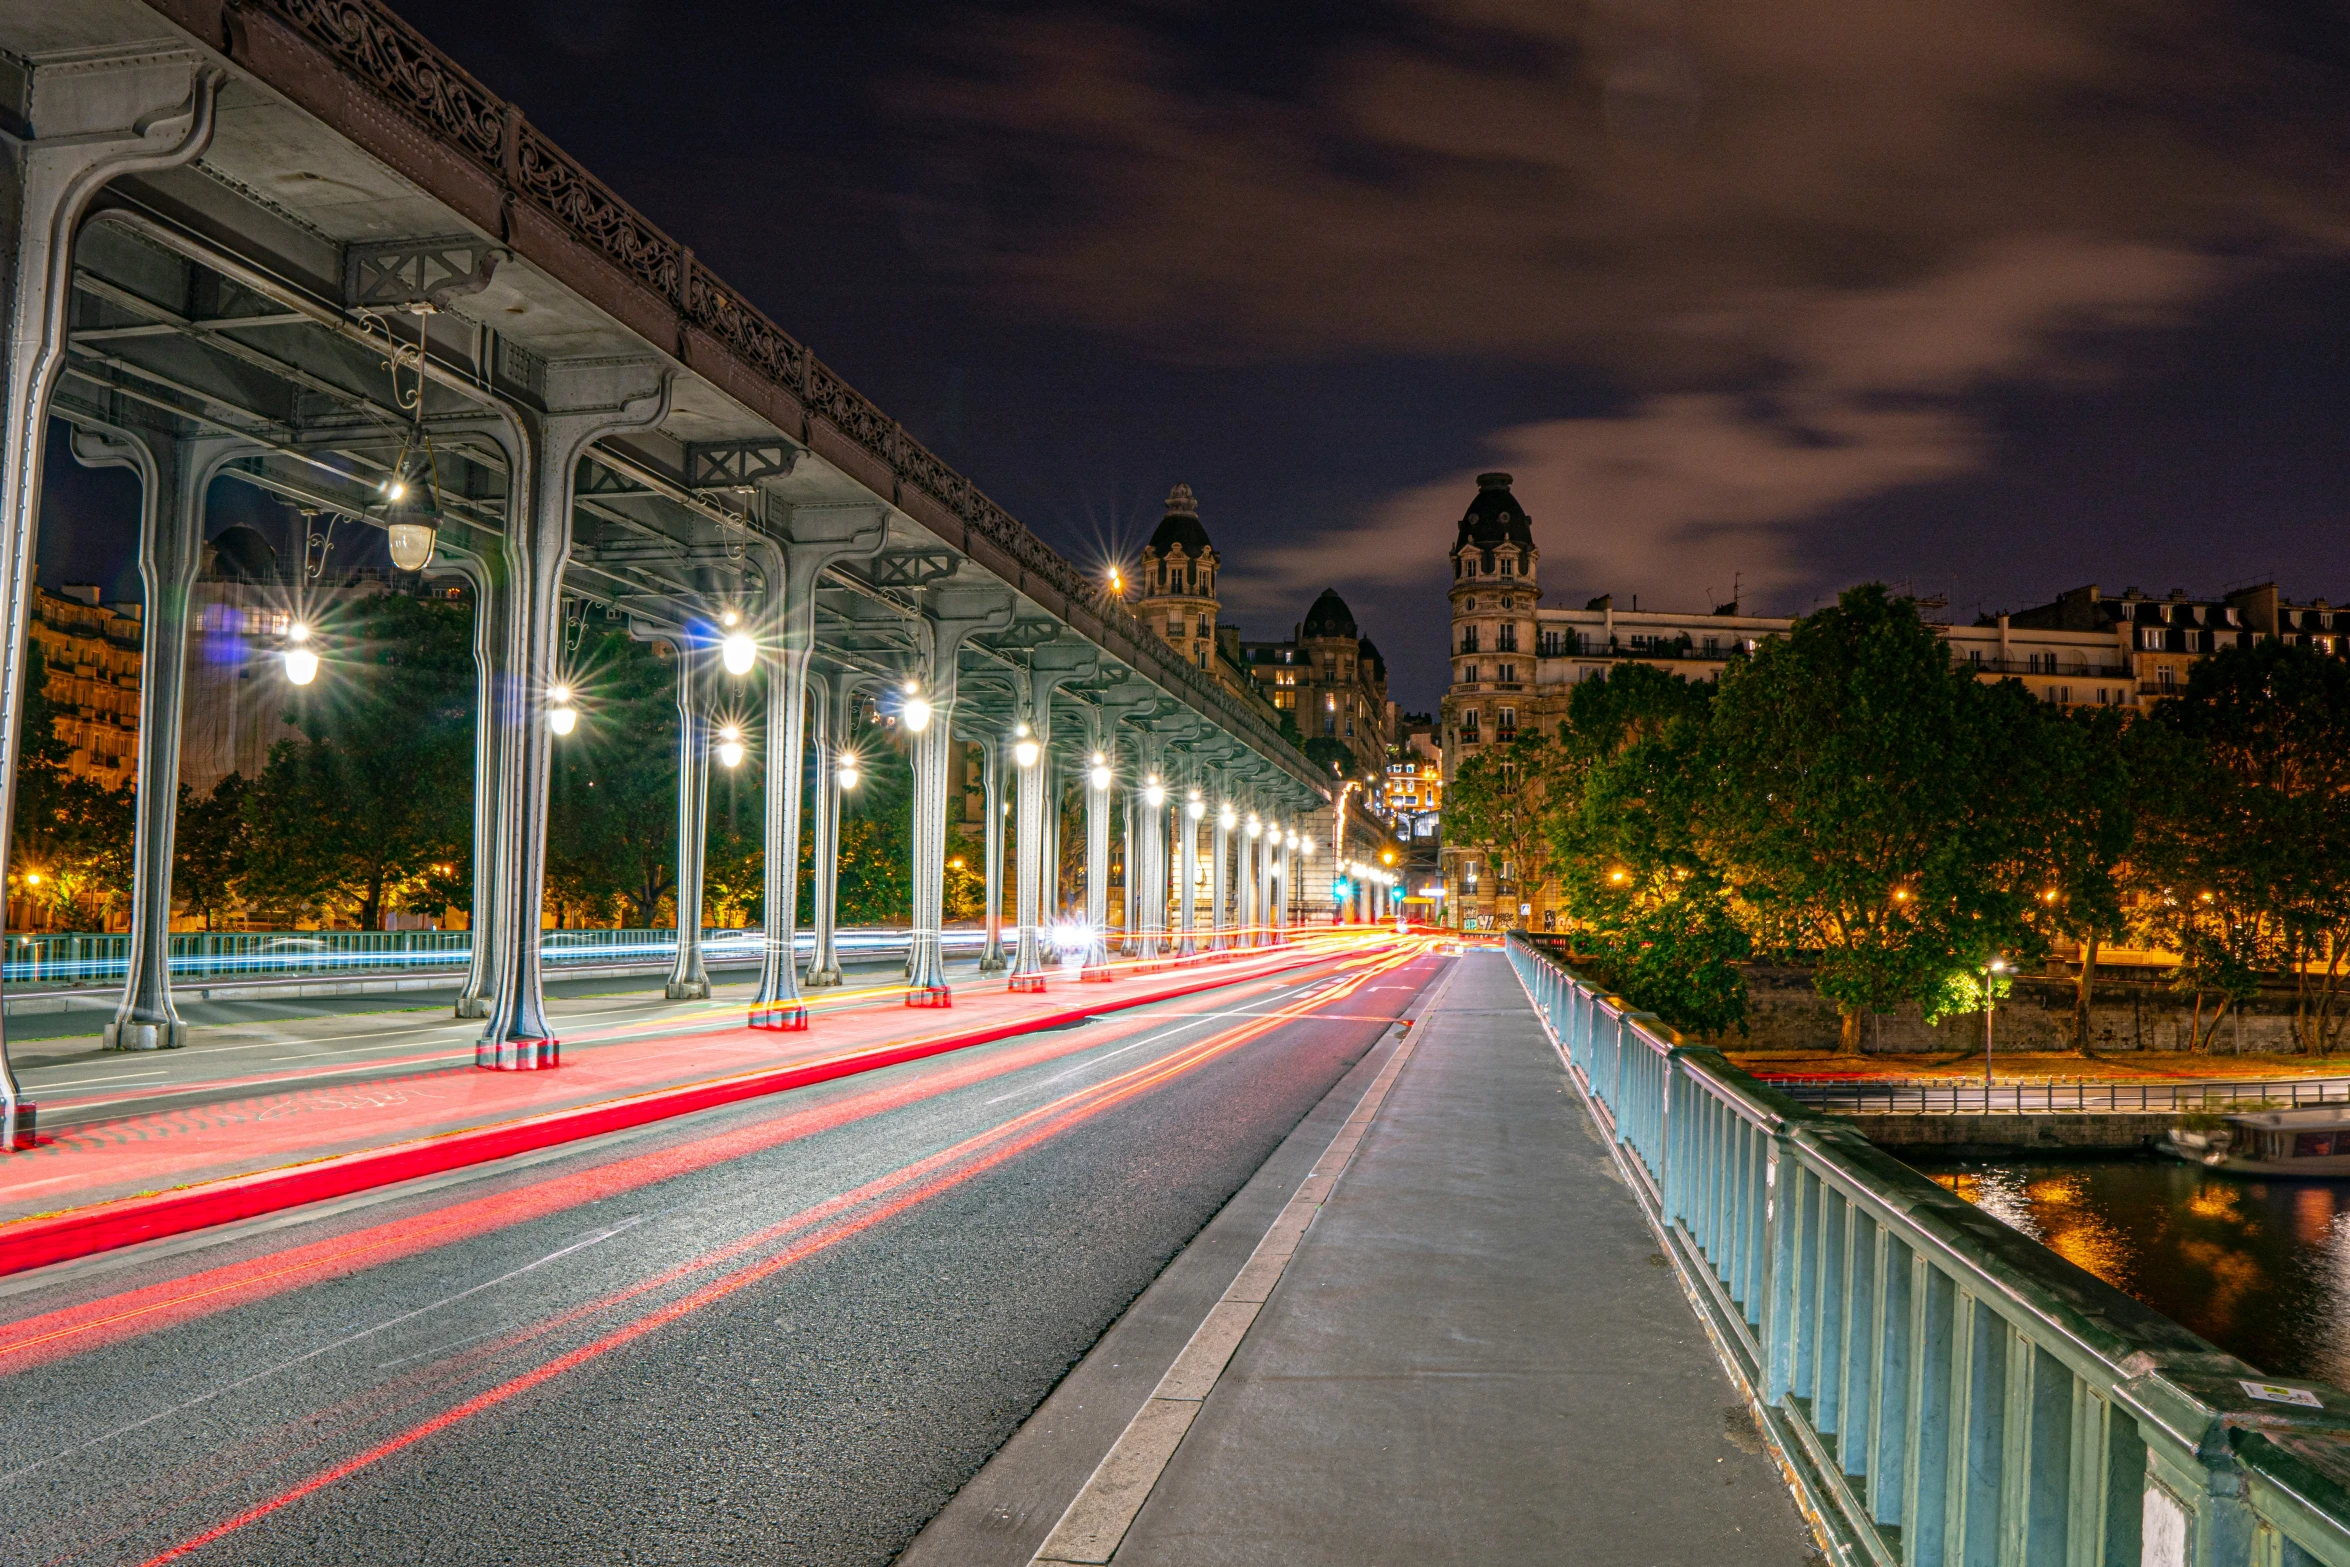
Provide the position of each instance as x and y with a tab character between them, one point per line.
1648	907
2248	832
371	809
1848	798
1500	799
612	816
72	849
209	846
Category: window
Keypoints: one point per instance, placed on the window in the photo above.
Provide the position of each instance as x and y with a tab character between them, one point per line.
1508	672
1506	723
1205	629
1505	640
1468	565
1285	699
1509	565
1469	672
1203	658
2166	676
1974	656
1330	723
1469	726
1713	647
1468	639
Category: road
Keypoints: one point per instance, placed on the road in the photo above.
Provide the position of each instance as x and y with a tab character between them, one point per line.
785	1332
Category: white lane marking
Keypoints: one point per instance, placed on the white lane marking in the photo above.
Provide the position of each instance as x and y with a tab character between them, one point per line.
582	1244
386	1365
1193	1020
83	1082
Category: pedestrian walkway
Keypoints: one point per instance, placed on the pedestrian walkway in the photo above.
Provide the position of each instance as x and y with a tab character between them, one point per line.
239	1126
1475	1352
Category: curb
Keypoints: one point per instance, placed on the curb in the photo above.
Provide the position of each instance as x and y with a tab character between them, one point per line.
31	1243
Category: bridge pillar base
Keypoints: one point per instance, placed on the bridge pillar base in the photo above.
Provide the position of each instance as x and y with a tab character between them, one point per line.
930	996
1027	984
146	1036
519	1055
789	1018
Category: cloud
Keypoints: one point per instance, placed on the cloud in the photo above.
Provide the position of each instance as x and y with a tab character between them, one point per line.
1806	240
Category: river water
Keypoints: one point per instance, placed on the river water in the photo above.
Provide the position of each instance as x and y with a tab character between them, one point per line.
2260	1267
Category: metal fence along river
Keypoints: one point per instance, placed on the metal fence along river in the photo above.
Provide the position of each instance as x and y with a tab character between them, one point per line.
1944	1391
95	959
1948	1096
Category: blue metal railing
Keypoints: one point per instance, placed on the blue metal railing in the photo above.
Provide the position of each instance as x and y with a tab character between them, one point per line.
1945	1391
78	959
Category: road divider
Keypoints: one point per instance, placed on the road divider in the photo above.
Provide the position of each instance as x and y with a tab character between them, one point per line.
45	1239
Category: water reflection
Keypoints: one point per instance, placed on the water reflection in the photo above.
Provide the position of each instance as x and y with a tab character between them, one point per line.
2261	1267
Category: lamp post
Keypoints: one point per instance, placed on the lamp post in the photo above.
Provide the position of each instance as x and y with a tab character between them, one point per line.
1990	968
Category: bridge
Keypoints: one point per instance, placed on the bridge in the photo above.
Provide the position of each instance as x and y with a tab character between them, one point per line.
292	245
1938	1388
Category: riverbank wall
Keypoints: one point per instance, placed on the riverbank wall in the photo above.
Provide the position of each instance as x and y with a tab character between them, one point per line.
2005	1134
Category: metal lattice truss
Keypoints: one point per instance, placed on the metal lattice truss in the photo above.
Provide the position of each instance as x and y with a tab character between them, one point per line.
210	322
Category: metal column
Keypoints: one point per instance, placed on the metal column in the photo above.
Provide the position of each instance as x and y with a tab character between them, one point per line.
96	120
949	616
175	470
590	400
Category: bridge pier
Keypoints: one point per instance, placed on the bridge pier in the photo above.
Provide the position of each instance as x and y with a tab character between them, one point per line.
950	616
991	792
688	979
89	123
491	591
175	471
1100	779
588	401
813	540
835	696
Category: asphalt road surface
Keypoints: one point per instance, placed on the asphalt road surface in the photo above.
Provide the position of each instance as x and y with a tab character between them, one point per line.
781	1333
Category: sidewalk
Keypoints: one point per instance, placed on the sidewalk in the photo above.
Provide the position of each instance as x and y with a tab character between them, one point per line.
272	1125
1474	1353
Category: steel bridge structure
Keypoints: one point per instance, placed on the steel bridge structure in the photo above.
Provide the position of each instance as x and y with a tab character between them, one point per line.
285	242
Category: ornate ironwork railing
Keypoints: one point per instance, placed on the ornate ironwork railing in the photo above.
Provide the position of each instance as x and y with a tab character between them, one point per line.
403	67
1943	1390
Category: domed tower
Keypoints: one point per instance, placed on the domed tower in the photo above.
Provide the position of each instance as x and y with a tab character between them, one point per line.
1178	587
1494	590
1329	645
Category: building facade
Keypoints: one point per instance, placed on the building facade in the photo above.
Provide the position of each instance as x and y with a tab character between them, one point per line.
91	654
1327	682
1515	663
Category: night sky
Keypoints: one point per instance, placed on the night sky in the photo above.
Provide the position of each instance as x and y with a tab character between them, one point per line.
1985	299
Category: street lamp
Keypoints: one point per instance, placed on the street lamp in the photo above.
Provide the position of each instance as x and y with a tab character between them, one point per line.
736	651
301	661
914	711
562	717
846	774
1195	807
1025	751
1099	777
1154	793
730	746
1226	817
1994	966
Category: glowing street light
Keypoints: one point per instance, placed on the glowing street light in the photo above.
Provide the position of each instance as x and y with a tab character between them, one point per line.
1990	968
1256	829
846	774
1226	818
1025	750
1154	793
562	717
301	660
738	652
1195	807
914	712
730	746
1099	777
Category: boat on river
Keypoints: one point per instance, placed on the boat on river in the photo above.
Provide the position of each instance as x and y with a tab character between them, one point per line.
2311	1141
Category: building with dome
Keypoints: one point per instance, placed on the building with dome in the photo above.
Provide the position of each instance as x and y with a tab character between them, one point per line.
1327	684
